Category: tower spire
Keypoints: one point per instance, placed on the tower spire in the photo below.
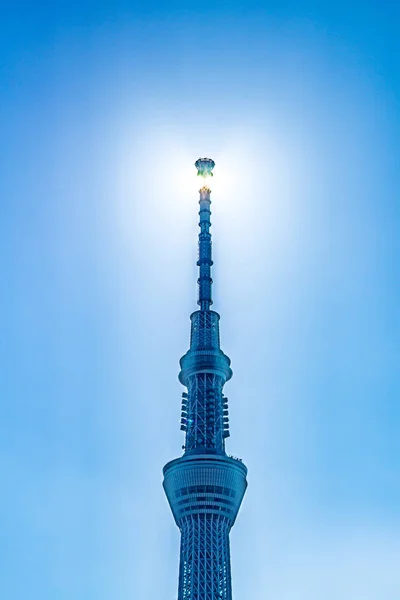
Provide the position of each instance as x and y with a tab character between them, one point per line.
205	487
204	168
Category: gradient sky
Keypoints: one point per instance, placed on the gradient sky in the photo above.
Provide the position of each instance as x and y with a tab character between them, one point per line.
104	107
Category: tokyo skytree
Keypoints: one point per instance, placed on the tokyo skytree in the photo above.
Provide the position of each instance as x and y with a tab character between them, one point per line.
205	486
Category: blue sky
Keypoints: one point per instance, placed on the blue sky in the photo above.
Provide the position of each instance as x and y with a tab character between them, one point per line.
104	107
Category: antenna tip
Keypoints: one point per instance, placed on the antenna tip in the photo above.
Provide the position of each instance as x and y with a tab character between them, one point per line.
204	167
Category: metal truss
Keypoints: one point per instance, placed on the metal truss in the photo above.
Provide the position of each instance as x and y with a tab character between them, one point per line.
204	330
205	425
204	572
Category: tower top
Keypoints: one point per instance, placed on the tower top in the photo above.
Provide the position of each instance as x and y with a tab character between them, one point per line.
204	167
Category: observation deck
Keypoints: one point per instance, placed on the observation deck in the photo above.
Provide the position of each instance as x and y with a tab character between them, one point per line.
205	484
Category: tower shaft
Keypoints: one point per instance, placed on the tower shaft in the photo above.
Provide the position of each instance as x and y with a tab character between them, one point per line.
205	557
205	487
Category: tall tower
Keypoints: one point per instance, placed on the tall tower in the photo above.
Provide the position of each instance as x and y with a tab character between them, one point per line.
205	486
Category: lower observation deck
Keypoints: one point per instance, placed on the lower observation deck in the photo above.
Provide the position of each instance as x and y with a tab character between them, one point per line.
205	484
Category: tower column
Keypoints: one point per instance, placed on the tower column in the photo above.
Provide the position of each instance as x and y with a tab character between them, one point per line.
205	487
204	570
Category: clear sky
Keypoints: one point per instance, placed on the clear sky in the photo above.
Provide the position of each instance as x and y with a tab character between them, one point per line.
104	107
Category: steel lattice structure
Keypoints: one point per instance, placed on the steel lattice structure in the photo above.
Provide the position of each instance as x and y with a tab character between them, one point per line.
205	486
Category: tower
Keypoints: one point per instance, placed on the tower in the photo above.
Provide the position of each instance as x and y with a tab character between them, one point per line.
205	486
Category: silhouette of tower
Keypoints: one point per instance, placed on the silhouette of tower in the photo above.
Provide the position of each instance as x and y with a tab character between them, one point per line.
205	486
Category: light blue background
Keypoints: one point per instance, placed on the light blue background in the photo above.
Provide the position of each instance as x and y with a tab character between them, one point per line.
104	107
